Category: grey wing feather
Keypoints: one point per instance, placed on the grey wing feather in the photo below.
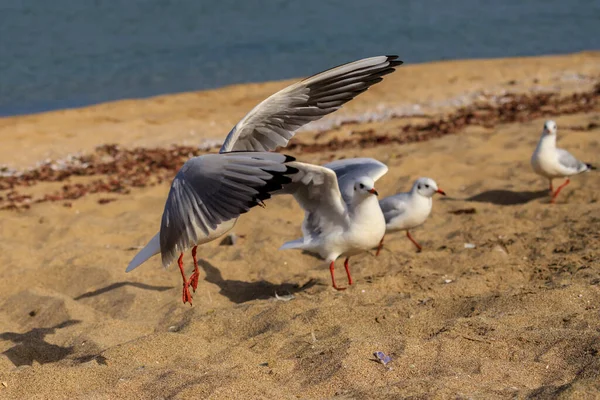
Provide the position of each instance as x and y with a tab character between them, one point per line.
316	189
215	188
393	206
273	122
567	160
348	170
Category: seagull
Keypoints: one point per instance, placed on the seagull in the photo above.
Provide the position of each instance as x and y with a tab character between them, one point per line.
207	196
551	162
342	215
269	125
404	211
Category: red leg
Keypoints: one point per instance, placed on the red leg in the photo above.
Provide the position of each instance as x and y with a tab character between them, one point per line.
380	247
414	241
331	268
558	190
193	282
348	270
186	296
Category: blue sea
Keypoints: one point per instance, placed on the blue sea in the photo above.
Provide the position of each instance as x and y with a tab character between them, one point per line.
69	53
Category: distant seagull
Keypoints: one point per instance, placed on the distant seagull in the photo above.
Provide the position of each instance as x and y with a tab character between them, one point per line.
551	162
201	205
342	215
408	210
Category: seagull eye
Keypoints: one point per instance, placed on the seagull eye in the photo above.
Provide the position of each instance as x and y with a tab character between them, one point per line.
427	186
362	186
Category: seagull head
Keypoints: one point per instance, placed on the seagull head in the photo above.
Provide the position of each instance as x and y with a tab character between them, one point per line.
365	186
550	128
427	187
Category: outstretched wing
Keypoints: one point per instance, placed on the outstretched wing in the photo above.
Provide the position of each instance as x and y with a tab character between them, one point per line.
348	170
215	188
316	189
273	122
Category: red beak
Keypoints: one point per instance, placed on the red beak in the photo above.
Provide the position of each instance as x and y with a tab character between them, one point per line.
373	191
440	191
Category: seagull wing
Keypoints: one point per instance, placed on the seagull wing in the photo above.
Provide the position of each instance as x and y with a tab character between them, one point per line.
273	122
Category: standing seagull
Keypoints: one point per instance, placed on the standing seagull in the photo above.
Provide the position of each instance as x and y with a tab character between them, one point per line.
342	215
269	125
551	162
405	211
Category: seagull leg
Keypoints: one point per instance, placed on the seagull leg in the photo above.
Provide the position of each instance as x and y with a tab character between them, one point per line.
186	297
559	189
348	270
331	269
193	282
414	241
379	247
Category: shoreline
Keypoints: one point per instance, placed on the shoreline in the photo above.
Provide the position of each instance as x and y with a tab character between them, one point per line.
193	118
79	106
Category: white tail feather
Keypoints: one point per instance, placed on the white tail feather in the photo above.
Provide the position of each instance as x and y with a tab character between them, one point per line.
294	244
152	248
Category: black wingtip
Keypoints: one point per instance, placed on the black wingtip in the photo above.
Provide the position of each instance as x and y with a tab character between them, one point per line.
291	170
262	196
590	166
289	158
394	62
277	181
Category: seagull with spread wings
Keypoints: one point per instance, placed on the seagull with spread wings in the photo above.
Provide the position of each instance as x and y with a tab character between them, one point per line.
342	215
211	191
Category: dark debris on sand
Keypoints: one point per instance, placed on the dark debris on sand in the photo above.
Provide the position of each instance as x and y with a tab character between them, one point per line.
118	170
509	108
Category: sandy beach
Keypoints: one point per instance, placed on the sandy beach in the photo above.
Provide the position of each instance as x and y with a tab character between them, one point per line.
517	316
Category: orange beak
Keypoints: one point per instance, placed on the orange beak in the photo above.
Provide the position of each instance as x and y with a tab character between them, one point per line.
373	191
440	191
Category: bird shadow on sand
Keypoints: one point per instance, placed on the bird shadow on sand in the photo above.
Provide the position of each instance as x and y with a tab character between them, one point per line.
241	292
31	346
117	285
504	197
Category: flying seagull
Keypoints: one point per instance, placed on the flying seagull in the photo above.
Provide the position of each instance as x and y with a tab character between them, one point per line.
193	215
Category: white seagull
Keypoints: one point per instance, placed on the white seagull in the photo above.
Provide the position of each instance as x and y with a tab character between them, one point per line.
201	205
207	196
404	211
551	162
342	215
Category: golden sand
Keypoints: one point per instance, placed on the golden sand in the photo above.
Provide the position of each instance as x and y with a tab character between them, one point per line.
515	316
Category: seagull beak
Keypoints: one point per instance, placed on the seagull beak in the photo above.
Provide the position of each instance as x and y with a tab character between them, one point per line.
373	191
440	191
